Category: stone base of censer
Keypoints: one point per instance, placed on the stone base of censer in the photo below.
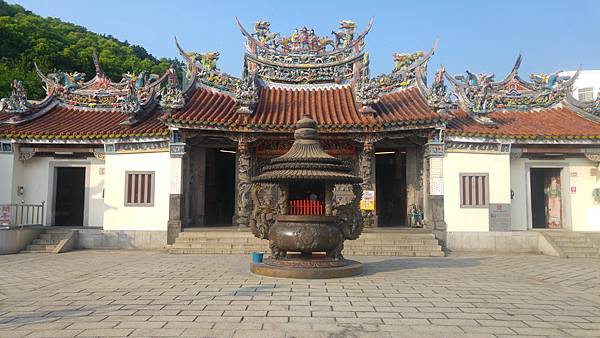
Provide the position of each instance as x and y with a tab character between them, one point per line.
315	266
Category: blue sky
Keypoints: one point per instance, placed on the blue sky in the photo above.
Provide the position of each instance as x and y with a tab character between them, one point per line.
482	36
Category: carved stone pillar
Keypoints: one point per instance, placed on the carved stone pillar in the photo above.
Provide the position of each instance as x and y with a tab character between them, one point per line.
177	151
412	180
434	213
365	171
244	185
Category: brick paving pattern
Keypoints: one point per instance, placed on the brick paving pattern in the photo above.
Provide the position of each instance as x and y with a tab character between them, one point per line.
141	293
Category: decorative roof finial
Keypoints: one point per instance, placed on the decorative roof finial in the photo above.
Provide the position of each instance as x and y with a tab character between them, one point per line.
17	101
246	94
171	96
97	63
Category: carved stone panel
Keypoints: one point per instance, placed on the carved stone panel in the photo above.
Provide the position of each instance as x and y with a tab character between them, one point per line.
500	217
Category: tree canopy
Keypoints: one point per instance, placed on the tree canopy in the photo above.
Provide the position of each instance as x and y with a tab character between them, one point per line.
56	45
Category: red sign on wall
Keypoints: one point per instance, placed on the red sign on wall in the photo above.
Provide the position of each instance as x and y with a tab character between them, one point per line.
573	190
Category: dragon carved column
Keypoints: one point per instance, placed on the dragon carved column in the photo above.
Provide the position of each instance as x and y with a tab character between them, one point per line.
365	171
244	184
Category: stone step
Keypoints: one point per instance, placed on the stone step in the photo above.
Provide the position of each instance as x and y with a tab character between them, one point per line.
46	241
247	234
52	236
411	253
580	250
370	248
374	243
58	231
41	247
35	251
406	253
571	239
576	245
244	241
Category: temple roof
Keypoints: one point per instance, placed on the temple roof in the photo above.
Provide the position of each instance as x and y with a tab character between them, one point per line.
333	108
559	122
70	123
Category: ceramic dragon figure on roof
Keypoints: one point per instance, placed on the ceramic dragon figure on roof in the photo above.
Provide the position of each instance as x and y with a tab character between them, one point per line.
17	101
171	95
403	61
345	35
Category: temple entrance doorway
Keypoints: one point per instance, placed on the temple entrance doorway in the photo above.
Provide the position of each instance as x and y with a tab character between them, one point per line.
69	196
220	186
546	198
390	187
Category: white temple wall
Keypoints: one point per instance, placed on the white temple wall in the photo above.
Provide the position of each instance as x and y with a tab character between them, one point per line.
497	166
6	177
585	213
117	216
38	178
580	212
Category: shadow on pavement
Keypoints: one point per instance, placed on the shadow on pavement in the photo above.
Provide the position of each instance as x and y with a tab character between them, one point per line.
396	264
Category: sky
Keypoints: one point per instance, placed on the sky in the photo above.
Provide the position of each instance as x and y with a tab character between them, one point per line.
481	36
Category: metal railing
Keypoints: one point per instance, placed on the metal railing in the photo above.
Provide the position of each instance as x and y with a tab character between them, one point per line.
22	214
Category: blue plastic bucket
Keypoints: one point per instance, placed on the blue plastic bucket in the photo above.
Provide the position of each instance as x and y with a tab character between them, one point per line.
257	257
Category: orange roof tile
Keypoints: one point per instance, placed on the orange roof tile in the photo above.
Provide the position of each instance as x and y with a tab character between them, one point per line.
63	122
279	108
559	122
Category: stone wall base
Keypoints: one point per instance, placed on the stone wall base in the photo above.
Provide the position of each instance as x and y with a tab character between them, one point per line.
121	239
14	240
500	242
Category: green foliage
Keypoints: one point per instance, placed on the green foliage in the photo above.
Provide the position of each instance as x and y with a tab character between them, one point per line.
55	45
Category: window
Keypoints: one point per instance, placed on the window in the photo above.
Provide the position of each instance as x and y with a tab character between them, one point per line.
474	190
139	188
5	147
586	94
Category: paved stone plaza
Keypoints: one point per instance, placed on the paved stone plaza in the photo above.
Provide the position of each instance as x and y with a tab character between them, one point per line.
135	293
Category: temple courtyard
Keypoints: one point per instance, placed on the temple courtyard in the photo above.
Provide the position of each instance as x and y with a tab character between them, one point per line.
153	293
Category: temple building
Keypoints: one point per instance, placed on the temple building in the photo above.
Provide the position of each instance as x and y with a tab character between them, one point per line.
469	158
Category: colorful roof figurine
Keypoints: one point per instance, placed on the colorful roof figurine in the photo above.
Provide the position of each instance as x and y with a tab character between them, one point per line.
515	108
285	78
479	95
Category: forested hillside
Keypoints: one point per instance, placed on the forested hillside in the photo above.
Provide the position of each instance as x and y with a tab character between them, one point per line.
56	45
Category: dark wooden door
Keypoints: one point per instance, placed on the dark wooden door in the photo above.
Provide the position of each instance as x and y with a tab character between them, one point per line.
70	196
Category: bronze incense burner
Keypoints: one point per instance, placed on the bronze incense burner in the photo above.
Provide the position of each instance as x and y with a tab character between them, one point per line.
306	233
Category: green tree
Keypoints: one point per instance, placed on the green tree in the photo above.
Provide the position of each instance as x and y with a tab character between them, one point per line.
56	45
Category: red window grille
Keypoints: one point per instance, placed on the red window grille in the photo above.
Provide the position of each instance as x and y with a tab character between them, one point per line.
306	207
474	190
139	188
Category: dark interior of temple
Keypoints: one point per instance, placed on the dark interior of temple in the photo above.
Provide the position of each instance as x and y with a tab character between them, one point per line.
390	199
220	187
69	197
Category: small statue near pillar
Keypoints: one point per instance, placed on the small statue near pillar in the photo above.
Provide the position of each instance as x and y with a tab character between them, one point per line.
415	217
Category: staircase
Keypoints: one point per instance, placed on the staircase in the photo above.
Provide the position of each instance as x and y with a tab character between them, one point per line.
48	241
574	244
375	243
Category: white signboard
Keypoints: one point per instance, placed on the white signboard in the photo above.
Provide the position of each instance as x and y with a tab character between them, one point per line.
436	186
436	176
175	185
